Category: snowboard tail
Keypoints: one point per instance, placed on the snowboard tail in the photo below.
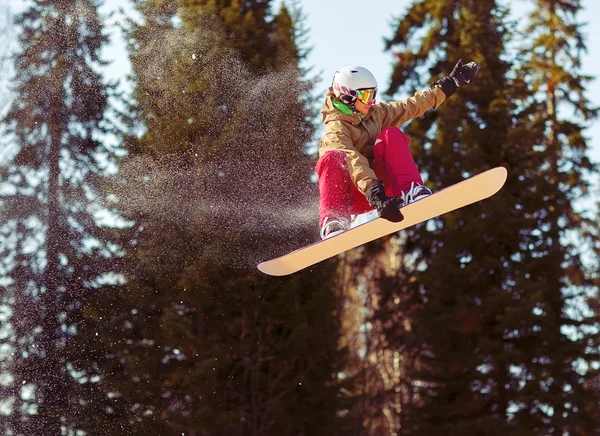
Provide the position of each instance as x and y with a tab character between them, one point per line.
454	197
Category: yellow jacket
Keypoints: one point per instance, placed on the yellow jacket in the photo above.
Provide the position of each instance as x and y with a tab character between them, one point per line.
355	136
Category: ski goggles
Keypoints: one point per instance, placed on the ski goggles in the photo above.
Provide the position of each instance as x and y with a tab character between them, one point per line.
367	96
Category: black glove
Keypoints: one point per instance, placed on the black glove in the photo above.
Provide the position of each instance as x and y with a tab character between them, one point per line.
461	74
387	207
464	73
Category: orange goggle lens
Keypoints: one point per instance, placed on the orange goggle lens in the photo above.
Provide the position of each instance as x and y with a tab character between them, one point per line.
367	96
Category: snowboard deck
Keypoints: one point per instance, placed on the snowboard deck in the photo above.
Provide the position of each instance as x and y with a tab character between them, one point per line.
468	191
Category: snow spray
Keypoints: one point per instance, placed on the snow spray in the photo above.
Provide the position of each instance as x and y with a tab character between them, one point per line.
243	185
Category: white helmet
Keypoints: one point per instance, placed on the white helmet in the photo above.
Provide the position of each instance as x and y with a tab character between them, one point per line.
349	80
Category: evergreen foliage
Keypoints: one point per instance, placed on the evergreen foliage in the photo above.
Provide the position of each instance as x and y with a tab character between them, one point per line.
551	72
201	342
53	251
487	290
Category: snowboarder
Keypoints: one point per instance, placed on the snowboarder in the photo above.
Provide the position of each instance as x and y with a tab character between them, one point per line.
365	165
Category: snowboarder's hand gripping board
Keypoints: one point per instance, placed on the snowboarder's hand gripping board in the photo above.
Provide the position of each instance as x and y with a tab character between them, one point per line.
468	191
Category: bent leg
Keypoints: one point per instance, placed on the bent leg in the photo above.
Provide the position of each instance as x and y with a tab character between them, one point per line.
338	197
333	176
393	162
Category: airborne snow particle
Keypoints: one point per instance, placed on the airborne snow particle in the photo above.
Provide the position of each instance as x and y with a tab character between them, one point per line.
238	188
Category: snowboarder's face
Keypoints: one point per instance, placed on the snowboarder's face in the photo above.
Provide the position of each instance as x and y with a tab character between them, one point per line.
361	107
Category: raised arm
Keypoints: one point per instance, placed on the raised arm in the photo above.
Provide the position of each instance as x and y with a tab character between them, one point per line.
397	113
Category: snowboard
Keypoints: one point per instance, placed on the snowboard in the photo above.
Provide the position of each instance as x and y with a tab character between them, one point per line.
466	192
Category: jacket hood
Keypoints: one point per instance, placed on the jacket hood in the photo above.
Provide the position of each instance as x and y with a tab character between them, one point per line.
330	113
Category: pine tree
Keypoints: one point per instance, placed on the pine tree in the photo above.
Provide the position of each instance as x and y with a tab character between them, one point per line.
487	285
551	71
202	342
377	368
434	310
50	196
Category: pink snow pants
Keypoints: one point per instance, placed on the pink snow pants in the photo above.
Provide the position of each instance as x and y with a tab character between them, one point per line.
392	162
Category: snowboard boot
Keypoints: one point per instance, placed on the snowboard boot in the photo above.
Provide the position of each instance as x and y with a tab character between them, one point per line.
363	218
333	227
415	193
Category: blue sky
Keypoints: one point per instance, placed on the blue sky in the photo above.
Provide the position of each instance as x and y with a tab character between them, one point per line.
351	32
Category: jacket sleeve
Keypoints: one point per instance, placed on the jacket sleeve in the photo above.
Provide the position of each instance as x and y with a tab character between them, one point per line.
337	138
398	113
